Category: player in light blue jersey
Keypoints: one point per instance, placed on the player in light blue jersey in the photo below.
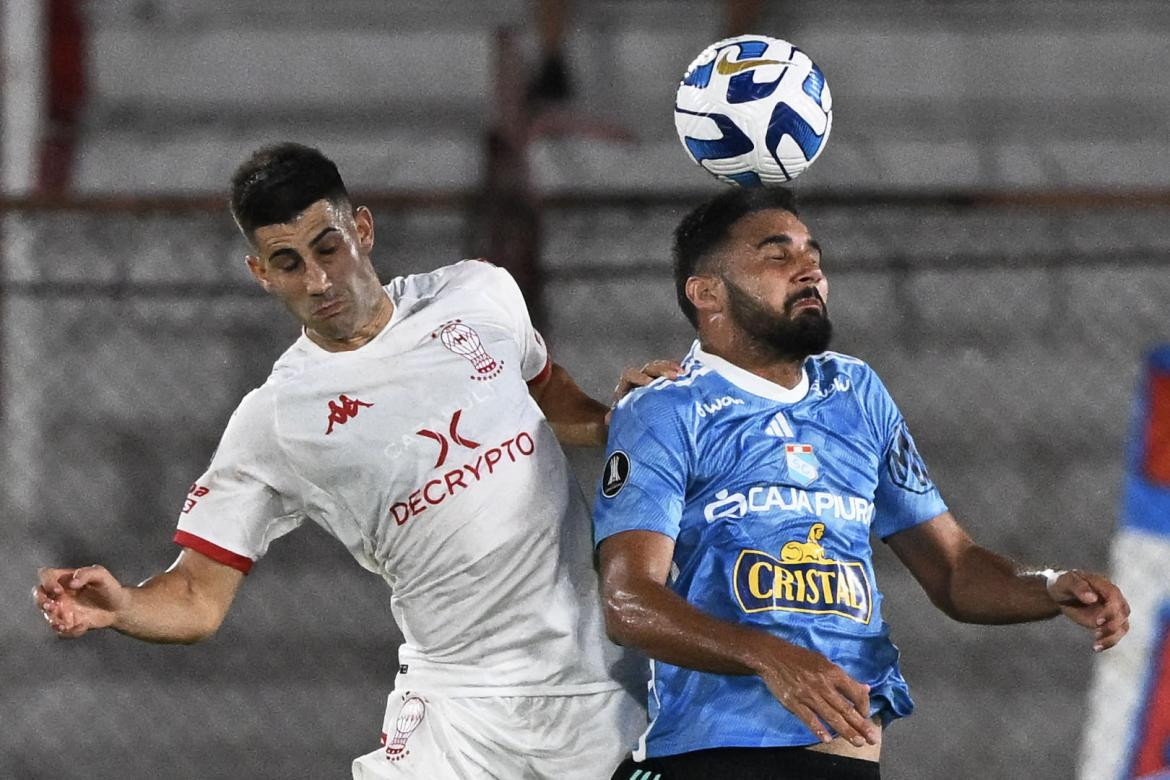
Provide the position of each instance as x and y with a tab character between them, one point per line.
735	514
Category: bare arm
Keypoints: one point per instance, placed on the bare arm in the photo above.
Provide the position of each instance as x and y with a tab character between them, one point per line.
577	419
184	604
975	585
641	611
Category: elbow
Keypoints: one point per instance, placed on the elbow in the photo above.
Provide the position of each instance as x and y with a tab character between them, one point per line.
946	605
627	616
213	617
615	610
205	616
201	633
947	600
196	630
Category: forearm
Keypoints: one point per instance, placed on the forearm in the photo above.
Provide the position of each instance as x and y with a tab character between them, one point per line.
666	627
989	588
577	419
167	609
584	432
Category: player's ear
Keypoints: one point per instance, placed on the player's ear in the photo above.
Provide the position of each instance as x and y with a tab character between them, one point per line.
364	220
259	272
704	294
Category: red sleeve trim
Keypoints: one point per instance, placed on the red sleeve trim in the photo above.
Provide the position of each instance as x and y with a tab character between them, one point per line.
1156	458
241	563
544	374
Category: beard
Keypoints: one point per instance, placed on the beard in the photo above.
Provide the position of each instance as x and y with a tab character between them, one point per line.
784	336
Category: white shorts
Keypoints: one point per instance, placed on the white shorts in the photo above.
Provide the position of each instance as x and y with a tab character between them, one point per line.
574	737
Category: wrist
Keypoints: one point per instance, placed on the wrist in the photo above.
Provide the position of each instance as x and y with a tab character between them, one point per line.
1050	576
758	649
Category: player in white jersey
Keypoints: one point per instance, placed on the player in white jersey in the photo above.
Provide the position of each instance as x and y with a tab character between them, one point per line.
414	422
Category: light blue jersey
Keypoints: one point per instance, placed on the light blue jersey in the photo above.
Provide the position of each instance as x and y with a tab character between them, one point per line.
771	495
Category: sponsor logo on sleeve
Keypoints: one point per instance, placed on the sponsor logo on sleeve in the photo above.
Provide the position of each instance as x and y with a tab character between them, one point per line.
617	471
196	492
802	579
907	469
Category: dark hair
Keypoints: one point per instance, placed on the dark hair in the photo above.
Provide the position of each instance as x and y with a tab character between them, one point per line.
280	181
706	228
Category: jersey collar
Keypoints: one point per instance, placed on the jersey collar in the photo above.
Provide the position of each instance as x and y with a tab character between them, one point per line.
746	380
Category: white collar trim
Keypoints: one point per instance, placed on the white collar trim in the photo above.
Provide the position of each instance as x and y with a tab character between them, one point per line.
753	383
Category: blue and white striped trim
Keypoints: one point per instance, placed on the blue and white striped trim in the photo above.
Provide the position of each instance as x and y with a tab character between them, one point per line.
639	752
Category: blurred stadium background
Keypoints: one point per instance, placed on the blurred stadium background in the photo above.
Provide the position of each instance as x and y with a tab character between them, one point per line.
994	207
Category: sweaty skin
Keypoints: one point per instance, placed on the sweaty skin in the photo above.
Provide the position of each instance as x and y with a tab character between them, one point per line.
770	256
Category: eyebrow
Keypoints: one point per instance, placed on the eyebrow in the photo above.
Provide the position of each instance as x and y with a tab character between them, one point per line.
783	239
287	250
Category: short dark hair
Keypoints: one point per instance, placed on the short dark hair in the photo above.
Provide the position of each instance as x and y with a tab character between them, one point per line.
280	181
706	228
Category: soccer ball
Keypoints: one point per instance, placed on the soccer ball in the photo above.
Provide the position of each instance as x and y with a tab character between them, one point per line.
753	110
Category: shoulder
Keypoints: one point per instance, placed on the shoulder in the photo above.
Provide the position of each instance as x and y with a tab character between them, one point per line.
839	370
839	363
466	275
668	399
252	426
476	288
291	363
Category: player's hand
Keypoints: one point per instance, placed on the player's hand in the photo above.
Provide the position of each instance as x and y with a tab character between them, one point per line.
637	377
818	692
1092	601
74	601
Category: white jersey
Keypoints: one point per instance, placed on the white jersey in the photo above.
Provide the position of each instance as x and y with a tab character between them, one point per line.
425	455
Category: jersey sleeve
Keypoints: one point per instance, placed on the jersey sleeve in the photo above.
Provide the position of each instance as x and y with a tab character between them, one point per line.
505	294
643	485
234	511
905	496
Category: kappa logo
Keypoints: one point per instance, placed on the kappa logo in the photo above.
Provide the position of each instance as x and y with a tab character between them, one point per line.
342	410
617	471
465	342
444	446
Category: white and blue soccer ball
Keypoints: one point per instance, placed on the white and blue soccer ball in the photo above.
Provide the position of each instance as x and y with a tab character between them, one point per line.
753	110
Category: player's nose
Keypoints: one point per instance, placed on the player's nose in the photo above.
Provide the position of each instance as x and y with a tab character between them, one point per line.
809	271
317	281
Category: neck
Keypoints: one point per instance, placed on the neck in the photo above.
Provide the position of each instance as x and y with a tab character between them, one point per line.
750	355
363	335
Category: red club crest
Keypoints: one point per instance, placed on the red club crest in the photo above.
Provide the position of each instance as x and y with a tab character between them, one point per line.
465	342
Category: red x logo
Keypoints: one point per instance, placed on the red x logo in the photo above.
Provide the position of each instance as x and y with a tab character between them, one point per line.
444	446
